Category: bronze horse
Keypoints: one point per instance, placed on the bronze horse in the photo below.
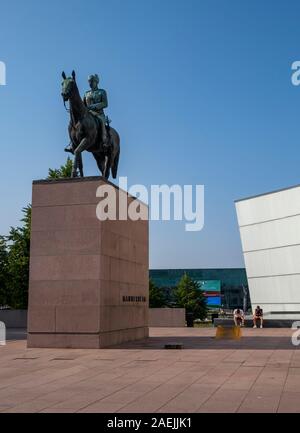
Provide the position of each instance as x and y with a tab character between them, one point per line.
84	133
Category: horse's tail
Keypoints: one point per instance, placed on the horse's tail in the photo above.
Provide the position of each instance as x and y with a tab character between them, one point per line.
114	168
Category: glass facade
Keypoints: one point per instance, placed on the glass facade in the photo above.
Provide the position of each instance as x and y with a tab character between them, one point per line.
212	292
232	282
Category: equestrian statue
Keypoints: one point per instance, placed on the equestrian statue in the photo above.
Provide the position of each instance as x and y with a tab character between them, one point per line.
89	128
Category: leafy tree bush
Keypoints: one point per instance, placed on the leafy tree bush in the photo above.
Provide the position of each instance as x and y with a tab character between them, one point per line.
15	253
63	172
157	297
3	272
189	295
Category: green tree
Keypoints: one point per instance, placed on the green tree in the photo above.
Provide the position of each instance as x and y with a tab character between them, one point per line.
3	271
18	247
64	171
157	297
15	253
189	295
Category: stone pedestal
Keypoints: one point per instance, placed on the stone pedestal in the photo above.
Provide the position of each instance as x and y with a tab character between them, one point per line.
88	278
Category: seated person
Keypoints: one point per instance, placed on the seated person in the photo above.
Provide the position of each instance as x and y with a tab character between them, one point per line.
258	315
239	317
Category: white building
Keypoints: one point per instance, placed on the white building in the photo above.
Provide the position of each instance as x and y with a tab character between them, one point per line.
270	233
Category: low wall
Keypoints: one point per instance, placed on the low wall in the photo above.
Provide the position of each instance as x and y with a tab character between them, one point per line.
14	318
158	317
268	323
167	317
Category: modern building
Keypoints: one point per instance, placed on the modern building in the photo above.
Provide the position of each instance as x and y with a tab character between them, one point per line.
223	287
270	234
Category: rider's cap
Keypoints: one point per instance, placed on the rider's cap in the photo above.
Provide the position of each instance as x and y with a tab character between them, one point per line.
93	77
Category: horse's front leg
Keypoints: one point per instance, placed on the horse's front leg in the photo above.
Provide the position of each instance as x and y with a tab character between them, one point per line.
75	166
80	165
74	169
84	144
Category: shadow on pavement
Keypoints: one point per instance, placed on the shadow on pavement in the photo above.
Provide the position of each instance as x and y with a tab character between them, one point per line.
190	342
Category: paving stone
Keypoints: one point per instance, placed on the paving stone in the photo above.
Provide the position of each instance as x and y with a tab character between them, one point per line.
260	373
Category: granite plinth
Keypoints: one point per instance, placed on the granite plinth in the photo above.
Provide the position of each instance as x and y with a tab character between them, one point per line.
88	278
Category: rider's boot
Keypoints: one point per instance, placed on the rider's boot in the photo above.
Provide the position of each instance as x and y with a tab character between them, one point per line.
69	148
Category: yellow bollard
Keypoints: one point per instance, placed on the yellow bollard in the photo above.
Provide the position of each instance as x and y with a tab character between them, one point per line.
231	333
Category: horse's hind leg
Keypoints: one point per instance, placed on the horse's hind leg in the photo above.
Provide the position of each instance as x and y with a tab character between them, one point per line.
115	165
107	167
100	163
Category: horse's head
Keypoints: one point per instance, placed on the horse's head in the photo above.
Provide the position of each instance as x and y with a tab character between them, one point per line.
68	85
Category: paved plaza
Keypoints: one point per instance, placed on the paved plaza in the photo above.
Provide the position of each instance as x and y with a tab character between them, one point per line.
259	373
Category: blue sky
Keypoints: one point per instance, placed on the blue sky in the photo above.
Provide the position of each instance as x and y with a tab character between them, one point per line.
199	90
